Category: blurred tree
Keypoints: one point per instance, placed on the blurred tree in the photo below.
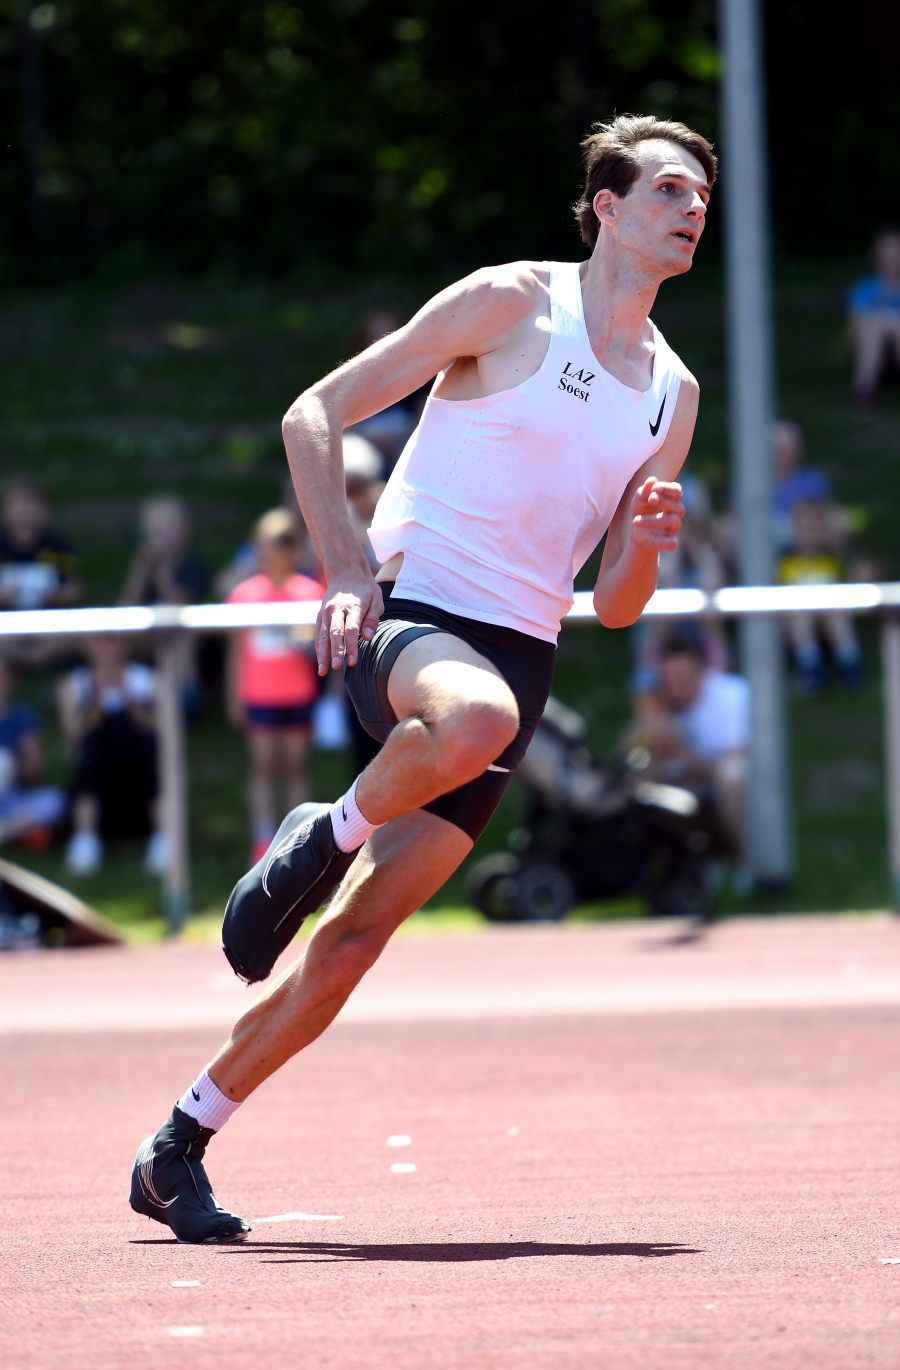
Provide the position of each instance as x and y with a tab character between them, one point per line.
336	130
834	121
389	134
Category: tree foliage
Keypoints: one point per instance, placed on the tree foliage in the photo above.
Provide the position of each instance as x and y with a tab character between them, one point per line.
368	131
382	133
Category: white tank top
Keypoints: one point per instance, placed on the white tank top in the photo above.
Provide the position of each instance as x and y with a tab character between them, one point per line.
497	503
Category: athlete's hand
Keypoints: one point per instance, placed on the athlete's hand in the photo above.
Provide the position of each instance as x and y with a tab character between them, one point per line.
657	512
350	610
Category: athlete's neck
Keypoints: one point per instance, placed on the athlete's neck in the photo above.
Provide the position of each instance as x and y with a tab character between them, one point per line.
618	298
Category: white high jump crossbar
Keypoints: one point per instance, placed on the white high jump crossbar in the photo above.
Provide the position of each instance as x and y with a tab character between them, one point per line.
167	622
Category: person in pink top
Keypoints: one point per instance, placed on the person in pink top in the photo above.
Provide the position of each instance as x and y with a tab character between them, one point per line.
272	680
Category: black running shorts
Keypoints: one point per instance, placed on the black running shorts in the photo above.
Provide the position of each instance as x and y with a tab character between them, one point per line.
526	664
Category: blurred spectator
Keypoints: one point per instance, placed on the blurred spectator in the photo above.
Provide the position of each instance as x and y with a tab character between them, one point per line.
38	566
816	560
390	429
245	563
272	680
792	481
363	483
164	570
695	564
874	308
696	727
28	811
106	712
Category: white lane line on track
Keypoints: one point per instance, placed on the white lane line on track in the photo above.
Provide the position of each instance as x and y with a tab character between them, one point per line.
462	1003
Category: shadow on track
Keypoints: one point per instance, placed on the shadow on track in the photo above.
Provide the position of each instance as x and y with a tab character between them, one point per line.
441	1253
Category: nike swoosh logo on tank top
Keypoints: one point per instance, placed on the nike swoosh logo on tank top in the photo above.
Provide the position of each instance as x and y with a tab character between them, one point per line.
654	427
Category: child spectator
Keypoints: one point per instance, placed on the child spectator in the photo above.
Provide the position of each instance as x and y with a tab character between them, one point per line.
164	570
793	481
874	307
818	531
106	712
272	681
245	564
28	811
38	567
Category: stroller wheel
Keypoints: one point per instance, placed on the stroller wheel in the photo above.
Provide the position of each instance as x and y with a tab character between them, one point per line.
543	893
492	886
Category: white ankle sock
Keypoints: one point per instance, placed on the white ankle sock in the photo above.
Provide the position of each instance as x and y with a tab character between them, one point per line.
206	1102
351	828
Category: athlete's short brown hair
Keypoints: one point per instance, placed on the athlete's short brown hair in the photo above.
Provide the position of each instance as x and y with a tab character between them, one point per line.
611	161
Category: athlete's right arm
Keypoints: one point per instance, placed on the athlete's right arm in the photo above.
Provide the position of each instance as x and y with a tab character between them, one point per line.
478	317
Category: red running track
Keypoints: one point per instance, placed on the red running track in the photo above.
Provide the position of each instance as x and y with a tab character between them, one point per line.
629	1152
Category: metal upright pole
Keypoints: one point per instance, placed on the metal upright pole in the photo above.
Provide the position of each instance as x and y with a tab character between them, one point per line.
173	776
750	376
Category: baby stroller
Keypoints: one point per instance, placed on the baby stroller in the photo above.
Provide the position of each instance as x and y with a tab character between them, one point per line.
596	829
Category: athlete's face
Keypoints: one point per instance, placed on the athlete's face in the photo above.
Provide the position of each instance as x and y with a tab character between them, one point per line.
660	220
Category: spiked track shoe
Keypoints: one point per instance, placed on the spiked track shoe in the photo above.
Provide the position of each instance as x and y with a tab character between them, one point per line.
168	1183
301	868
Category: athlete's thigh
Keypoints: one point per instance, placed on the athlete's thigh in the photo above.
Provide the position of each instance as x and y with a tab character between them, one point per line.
437	674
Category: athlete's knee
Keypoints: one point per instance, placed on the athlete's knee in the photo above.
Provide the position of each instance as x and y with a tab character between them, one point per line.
475	735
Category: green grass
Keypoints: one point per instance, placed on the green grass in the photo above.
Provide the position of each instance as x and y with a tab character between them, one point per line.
112	395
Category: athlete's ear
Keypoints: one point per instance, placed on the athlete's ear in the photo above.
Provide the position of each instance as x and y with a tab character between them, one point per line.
604	205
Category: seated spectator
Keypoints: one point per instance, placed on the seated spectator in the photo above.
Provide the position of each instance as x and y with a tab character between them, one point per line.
106	712
164	570
792	481
390	429
272	680
816	560
697	729
28	811
874	308
38	567
695	564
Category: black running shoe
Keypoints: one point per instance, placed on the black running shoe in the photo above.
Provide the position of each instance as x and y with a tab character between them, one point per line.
168	1183
300	870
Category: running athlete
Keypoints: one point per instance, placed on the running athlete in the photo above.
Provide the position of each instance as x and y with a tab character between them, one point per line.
559	413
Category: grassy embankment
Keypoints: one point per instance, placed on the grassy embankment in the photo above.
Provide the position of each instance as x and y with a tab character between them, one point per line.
111	394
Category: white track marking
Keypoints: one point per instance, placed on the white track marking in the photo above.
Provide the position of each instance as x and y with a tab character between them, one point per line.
299	1218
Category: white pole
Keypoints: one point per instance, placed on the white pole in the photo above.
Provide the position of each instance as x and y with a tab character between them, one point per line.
890	686
769	835
173	779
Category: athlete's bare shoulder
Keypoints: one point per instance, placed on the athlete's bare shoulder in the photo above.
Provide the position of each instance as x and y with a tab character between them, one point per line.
689	382
504	313
496	298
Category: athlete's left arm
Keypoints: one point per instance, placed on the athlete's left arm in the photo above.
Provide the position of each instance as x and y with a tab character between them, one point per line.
647	521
